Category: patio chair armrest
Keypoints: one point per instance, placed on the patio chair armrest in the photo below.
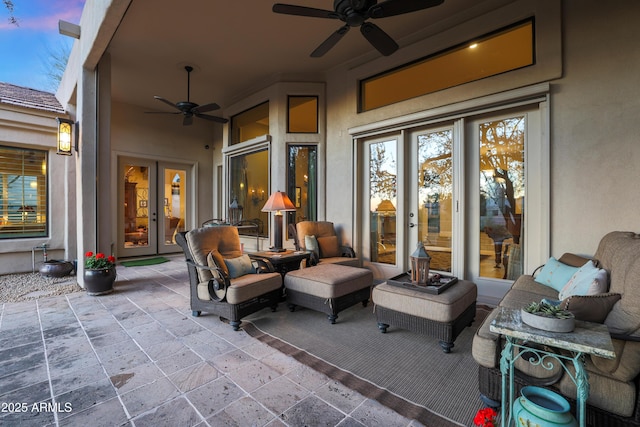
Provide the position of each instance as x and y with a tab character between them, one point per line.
263	265
216	271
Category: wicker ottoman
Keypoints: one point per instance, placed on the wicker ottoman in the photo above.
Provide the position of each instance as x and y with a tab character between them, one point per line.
442	316
328	288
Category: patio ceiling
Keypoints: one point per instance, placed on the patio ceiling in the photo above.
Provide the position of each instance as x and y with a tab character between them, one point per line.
240	46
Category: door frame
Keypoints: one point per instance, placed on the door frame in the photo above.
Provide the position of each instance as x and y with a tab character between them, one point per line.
539	238
117	194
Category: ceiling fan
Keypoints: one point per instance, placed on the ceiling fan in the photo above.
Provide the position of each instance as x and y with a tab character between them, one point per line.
354	13
189	109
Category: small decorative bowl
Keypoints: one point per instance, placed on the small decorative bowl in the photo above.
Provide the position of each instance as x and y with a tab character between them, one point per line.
551	324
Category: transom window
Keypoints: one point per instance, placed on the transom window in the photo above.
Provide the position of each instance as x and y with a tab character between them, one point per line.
505	50
250	124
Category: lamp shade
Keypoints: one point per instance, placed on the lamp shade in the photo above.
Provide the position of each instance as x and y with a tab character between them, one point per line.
278	201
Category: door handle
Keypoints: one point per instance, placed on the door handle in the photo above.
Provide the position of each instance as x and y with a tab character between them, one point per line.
411	225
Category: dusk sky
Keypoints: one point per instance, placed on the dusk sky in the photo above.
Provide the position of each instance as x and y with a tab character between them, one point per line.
26	49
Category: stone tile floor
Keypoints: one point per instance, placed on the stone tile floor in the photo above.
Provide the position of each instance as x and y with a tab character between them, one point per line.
137	357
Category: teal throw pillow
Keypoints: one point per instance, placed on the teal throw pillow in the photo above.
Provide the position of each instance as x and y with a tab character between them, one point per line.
239	266
555	274
588	280
311	244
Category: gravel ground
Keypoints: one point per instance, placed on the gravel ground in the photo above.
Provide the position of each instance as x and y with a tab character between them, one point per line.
29	286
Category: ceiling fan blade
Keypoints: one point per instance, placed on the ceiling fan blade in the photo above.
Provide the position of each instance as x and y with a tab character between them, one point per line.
188	120
290	9
206	107
330	42
398	7
166	101
212	118
378	38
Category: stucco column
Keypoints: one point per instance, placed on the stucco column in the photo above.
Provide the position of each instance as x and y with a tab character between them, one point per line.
86	168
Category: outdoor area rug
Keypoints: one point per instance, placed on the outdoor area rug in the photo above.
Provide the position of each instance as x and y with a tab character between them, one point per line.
405	371
146	261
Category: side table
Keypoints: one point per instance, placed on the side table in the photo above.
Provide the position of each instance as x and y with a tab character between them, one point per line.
587	338
283	262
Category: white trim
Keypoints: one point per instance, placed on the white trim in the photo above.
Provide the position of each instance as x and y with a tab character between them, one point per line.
498	101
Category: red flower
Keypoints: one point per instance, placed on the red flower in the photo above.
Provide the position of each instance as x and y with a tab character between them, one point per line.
88	254
485	417
99	255
111	259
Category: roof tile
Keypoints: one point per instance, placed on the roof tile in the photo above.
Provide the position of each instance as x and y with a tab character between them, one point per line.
29	98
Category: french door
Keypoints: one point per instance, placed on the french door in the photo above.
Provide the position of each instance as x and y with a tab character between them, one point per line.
459	187
154	201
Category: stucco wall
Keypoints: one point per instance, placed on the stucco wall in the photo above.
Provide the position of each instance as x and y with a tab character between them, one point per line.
595	126
594	110
163	137
24	128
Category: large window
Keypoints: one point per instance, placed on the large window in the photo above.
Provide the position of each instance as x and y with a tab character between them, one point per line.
249	189
302	182
506	50
23	193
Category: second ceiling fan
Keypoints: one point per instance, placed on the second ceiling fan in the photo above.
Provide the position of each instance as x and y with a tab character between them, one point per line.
355	13
189	109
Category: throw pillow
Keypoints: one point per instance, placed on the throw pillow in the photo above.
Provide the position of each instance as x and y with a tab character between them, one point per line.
590	308
588	280
574	260
555	274
239	266
311	244
215	259
329	246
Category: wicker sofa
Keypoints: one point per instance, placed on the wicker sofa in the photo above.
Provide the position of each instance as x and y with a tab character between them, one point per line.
614	384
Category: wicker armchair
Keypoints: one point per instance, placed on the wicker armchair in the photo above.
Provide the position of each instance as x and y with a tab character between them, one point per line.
215	287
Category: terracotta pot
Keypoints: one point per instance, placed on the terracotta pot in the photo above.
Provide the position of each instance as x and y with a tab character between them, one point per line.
99	281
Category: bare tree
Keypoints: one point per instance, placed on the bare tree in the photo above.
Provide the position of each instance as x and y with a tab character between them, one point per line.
12	18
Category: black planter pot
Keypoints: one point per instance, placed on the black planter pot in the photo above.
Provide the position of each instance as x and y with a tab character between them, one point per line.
99	281
56	268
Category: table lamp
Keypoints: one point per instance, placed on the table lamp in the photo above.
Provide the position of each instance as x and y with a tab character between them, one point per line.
277	203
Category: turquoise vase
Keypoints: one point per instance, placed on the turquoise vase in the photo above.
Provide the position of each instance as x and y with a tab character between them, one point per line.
539	407
99	281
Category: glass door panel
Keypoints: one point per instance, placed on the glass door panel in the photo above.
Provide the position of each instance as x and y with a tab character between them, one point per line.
174	206
138	221
383	201
502	193
435	196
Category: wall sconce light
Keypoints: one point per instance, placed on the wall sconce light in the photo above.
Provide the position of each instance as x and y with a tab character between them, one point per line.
64	137
257	196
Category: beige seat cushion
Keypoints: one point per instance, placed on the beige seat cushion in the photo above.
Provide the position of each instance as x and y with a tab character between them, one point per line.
444	307
328	280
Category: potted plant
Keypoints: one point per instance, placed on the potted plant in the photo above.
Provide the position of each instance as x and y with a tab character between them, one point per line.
99	273
485	417
548	316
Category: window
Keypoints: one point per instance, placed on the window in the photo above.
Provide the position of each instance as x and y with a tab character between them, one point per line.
302	114
302	185
248	188
250	124
23	193
506	50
